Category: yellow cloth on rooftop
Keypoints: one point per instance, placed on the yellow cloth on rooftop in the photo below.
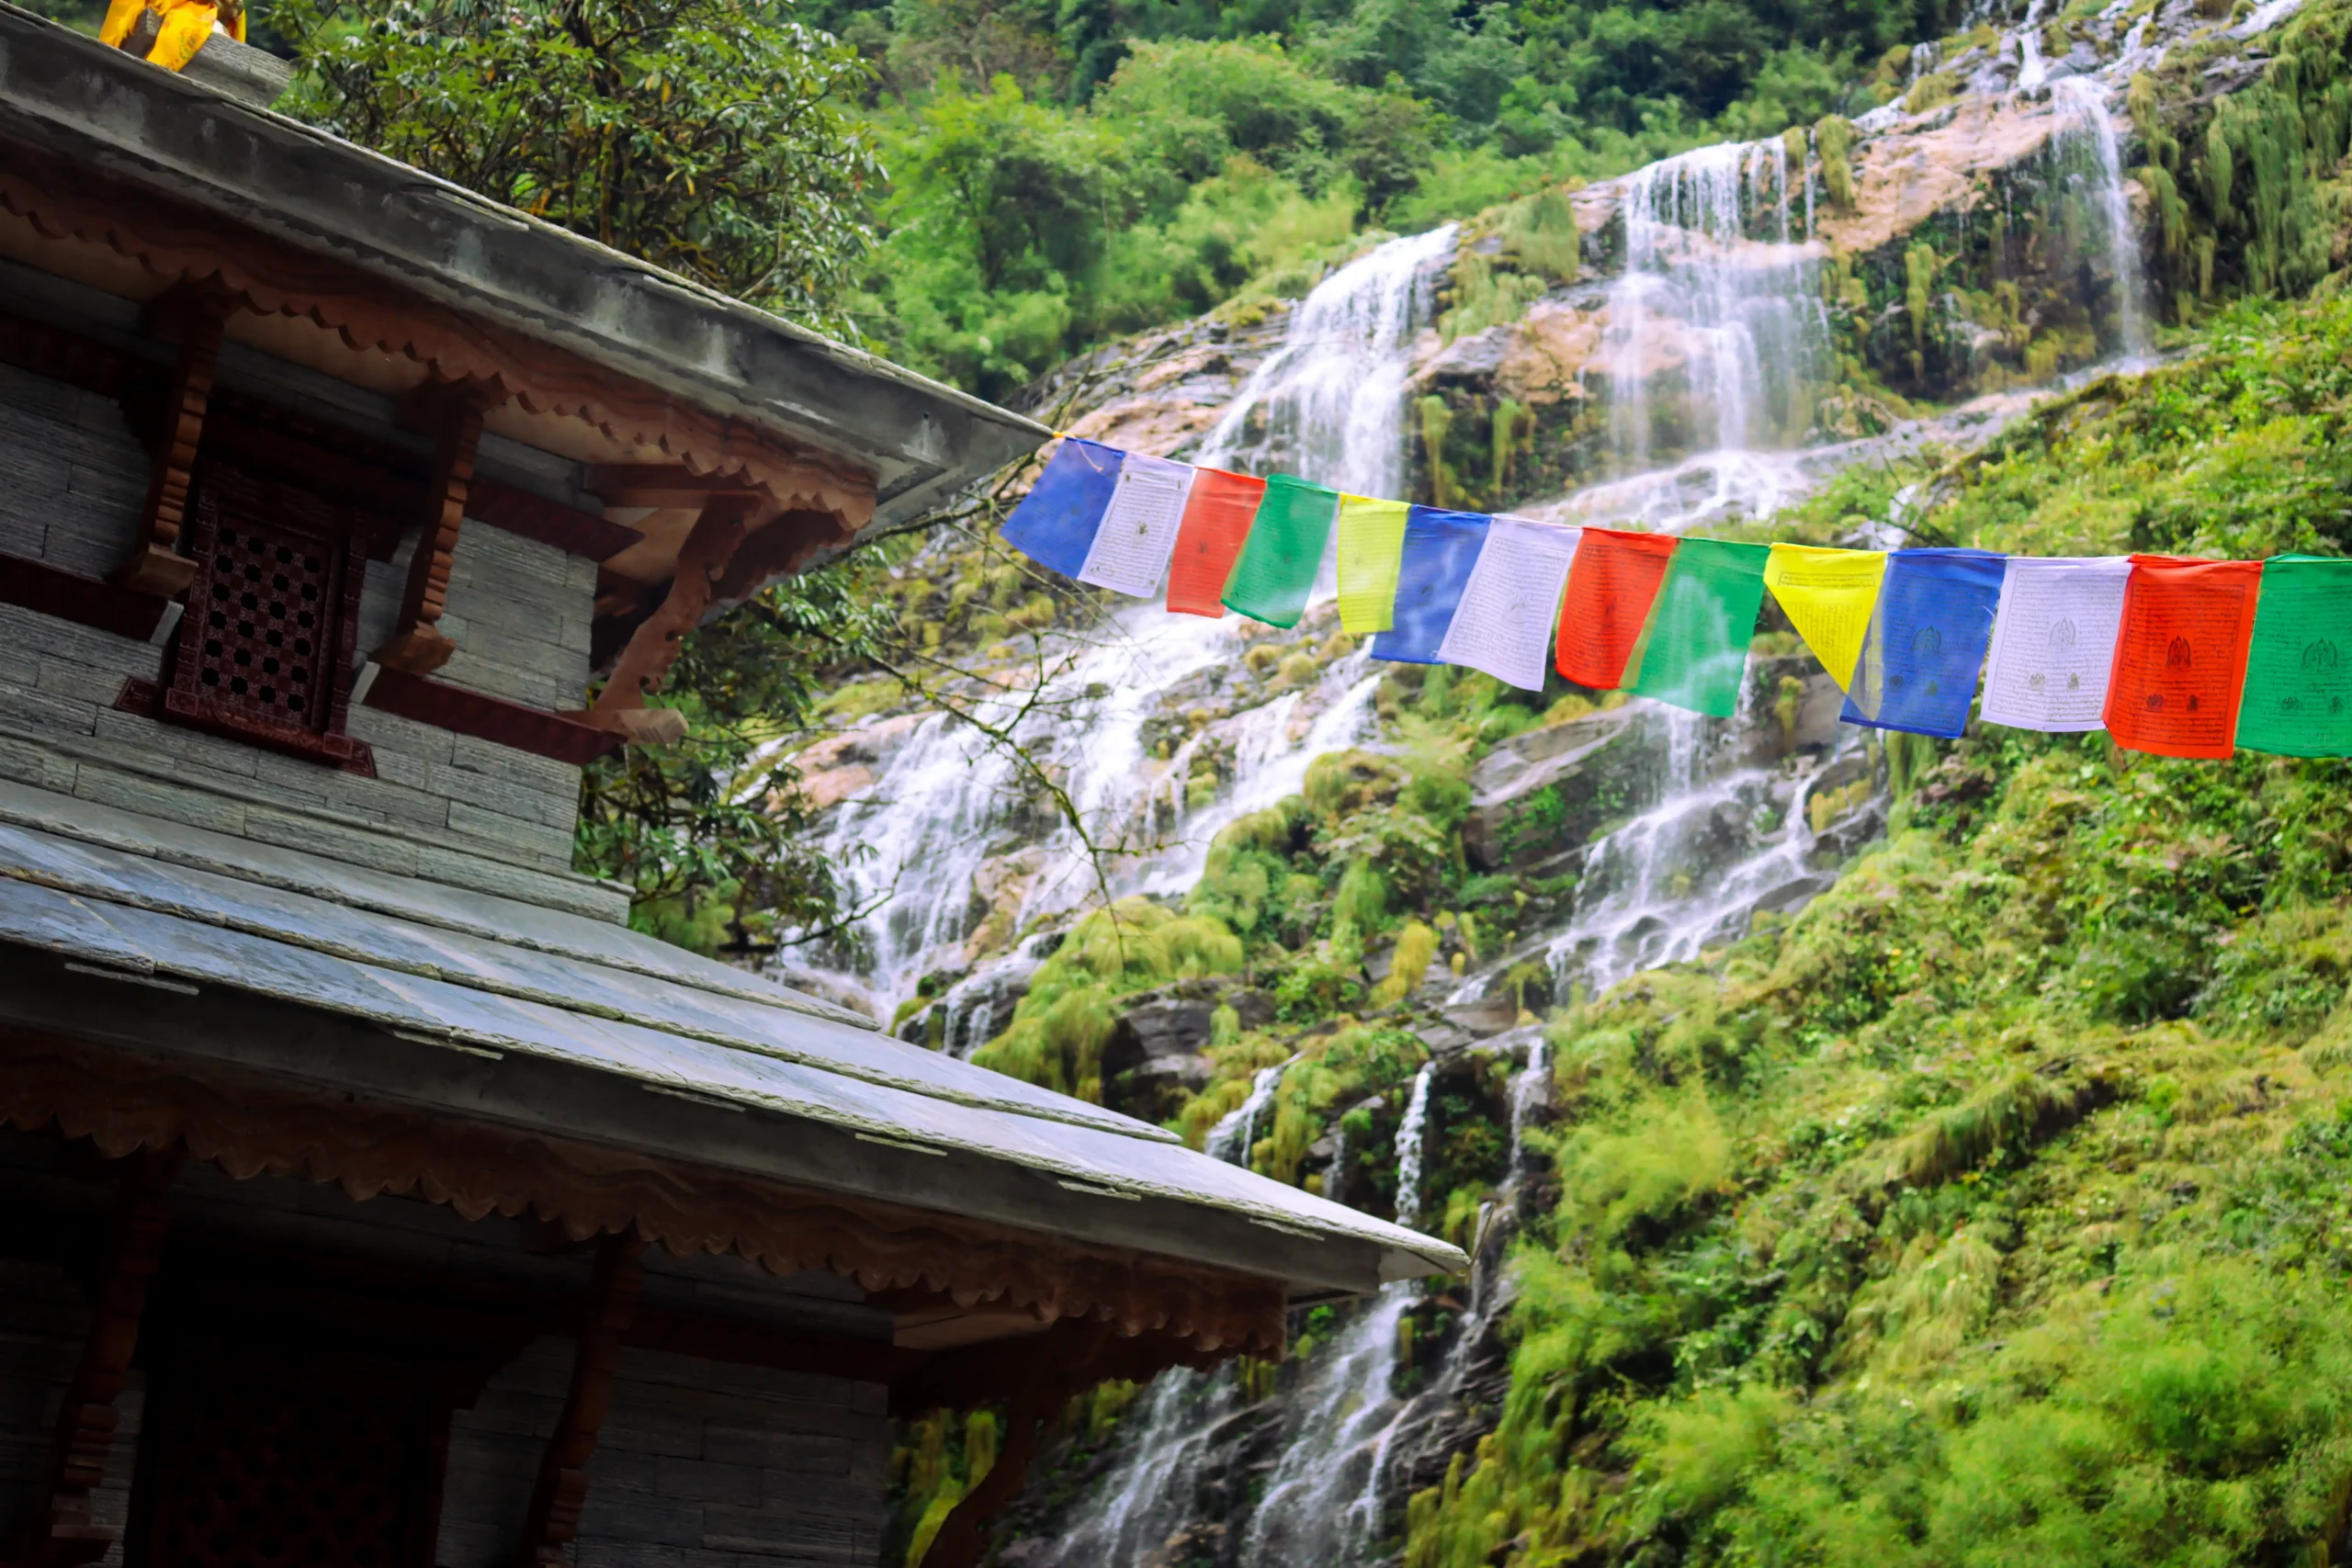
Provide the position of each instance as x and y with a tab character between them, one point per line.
1371	544
182	27
1828	595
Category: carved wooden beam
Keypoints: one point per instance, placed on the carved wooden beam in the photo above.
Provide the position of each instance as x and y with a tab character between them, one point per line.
61	1532
655	644
452	410
192	316
554	1519
663	484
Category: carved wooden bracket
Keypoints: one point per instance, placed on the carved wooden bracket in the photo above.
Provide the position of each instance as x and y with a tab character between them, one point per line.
61	1532
653	648
563	1487
191	315
453	411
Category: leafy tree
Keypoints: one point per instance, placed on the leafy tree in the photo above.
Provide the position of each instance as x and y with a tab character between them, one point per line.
710	835
710	137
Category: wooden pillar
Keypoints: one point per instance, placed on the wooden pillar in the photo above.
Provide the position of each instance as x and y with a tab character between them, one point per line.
563	1487
452	413
1045	1374
60	1533
192	316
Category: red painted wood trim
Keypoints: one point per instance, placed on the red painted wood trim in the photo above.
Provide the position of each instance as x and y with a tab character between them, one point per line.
485	718
549	522
85	601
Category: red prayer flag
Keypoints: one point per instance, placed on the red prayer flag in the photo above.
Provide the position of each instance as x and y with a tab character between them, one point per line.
1216	523
2181	654
1611	588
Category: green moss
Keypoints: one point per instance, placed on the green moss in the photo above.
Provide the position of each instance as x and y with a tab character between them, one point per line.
1061	1024
1834	136
2008	1187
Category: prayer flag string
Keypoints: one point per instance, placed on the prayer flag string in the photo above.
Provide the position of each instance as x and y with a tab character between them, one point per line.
2178	657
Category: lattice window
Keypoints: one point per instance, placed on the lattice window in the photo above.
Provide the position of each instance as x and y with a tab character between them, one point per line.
315	1461
264	651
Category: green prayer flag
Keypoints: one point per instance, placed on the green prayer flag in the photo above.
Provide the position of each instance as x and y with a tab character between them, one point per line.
1696	654
2298	700
1284	552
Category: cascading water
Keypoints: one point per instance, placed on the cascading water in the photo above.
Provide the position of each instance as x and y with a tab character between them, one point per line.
2083	100
1323	1500
948	809
1716	333
1330	404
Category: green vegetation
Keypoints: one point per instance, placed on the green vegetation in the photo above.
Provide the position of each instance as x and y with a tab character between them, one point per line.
1993	1210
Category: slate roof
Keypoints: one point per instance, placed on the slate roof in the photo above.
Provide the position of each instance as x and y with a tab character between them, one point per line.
425	963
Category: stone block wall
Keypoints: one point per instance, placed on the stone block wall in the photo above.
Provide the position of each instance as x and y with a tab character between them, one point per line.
699	1465
441	805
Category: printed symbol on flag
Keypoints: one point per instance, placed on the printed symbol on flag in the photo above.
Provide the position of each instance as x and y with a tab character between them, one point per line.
1928	643
2037	680
2176	655
2073	683
2290	705
2062	635
2192	702
2155	702
2320	655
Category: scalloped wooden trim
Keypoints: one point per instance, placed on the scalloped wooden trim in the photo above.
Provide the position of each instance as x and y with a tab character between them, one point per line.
249	1126
369	313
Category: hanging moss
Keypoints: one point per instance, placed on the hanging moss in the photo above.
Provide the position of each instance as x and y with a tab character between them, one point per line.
2217	167
1437	423
1541	235
1513	432
1834	135
2172	213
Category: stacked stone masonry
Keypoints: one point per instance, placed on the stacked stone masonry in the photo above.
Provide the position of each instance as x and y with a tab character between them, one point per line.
441	806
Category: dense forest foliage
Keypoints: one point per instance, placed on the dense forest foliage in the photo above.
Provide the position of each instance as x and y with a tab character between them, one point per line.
982	188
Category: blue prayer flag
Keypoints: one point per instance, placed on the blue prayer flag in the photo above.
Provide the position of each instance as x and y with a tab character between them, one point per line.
1440	550
1056	523
1927	640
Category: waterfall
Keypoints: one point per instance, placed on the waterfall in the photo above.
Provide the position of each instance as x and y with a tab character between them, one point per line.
1714	336
1323	1500
1330	404
1231	1139
948	808
1412	1136
2084	101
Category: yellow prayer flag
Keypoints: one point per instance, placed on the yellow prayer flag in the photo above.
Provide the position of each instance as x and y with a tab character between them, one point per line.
1828	595
1372	543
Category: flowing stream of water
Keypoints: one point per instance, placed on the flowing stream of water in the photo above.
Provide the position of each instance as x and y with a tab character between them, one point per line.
1716	339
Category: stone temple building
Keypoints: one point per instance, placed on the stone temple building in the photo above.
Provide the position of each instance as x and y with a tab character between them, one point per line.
369	1194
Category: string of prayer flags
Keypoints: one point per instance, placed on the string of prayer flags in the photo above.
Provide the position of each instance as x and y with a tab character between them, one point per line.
1927	640
1440	550
2181	654
1276	571
1138	533
2054	642
1217	519
2178	657
1372	542
1503	625
1056	523
1828	595
1696	654
2299	666
1611	585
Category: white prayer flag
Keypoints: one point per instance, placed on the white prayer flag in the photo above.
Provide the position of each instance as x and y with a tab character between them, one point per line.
1138	533
2054	642
1503	625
